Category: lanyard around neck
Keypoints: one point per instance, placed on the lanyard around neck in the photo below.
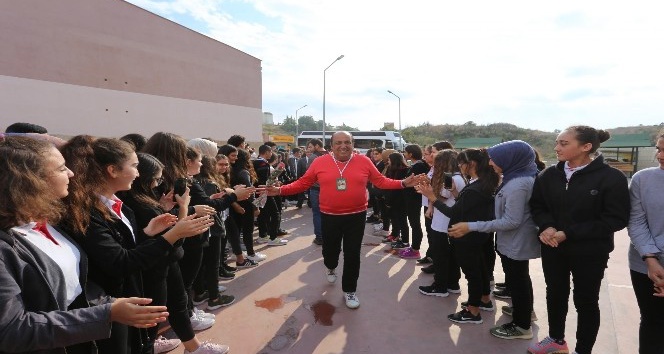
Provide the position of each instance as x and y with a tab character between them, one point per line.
341	171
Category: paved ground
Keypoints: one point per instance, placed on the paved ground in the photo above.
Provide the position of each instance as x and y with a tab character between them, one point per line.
285	305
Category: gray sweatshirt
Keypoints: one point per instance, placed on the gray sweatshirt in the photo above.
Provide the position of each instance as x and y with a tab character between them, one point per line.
646	224
516	232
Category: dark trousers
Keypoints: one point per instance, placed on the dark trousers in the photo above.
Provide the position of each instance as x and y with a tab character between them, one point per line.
427	227
414	212
190	264
517	274
232	236
399	222
587	273
652	314
472	261
268	219
447	273
489	251
169	290
208	275
349	230
245	222
300	199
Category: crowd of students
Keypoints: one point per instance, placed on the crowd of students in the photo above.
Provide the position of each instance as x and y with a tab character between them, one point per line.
102	239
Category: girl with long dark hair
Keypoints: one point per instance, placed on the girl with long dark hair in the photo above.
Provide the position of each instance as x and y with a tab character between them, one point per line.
106	228
474	203
394	199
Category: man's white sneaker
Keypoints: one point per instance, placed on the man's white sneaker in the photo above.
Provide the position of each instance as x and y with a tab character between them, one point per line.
257	257
201	323
210	348
163	345
352	302
331	276
277	242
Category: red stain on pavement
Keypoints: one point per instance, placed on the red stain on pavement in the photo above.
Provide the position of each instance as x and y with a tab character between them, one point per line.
323	312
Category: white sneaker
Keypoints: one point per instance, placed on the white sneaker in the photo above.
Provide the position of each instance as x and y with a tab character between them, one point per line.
163	345
261	240
203	314
257	257
331	276
352	302
200	323
277	242
210	348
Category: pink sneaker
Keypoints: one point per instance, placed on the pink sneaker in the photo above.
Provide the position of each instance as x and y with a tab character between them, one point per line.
410	253
548	346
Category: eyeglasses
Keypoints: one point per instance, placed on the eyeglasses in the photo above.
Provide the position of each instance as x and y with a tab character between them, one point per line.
159	180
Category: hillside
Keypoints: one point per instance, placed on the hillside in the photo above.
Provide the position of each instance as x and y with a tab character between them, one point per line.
542	141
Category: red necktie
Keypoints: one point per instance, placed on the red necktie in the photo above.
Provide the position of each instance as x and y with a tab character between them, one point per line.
117	208
42	229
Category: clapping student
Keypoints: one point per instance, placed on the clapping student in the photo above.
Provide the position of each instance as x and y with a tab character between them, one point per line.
474	203
43	271
516	233
163	282
446	271
107	231
577	204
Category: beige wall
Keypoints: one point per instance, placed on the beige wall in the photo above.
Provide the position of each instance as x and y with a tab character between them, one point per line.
107	67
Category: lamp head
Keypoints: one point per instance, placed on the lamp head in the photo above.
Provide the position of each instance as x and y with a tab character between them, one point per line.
340	57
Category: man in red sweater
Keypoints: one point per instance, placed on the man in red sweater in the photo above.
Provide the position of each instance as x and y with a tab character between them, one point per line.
343	178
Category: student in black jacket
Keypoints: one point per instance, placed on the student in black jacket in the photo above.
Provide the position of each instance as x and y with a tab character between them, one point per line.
577	205
107	231
268	219
473	203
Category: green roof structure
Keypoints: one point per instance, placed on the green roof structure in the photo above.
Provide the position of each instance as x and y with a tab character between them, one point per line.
469	143
628	140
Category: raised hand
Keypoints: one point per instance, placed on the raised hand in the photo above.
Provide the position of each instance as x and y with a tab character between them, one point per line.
160	223
133	312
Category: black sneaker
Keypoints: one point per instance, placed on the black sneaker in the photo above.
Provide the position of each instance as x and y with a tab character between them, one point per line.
433	290
428	269
484	306
371	219
454	289
226	275
282	232
201	298
227	267
465	316
399	245
425	260
502	294
221	301
317	241
248	263
500	286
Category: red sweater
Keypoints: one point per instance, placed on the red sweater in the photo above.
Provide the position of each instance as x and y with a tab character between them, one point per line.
324	170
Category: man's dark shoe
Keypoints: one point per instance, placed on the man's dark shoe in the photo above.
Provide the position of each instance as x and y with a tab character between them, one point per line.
318	241
226	275
282	232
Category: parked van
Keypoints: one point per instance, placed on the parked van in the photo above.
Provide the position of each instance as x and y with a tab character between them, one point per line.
363	140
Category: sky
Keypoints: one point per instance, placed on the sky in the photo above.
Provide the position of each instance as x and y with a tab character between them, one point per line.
540	65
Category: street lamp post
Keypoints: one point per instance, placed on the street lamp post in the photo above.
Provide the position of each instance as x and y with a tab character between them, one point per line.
324	123
399	108
297	124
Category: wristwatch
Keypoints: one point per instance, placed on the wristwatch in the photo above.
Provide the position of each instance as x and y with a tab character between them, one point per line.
649	256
